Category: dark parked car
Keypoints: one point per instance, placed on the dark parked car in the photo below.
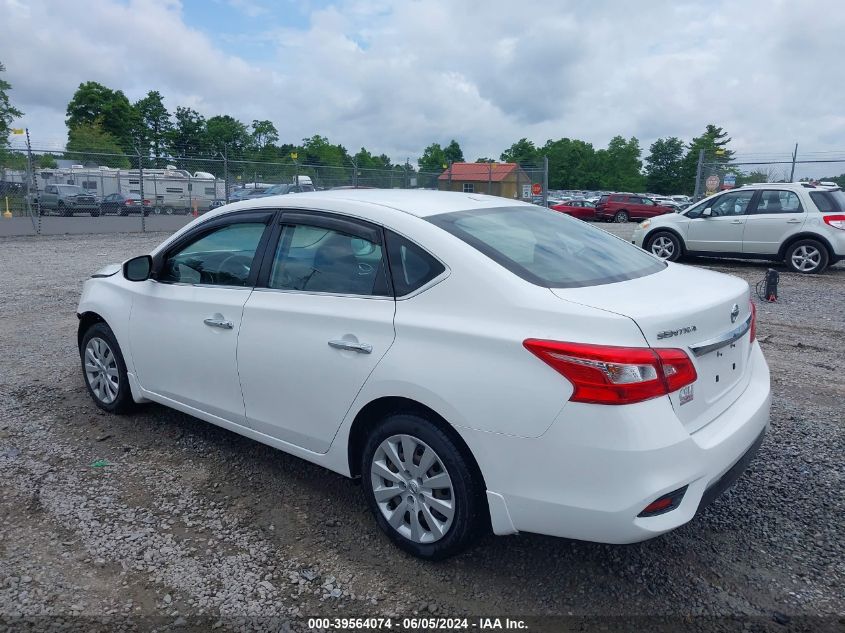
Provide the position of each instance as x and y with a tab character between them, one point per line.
123	204
621	207
581	209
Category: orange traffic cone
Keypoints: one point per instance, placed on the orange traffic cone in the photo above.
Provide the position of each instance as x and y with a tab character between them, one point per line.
196	210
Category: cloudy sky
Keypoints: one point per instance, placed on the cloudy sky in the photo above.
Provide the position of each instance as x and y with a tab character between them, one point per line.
396	75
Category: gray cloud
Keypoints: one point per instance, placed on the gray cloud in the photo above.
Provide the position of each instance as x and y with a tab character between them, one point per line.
396	76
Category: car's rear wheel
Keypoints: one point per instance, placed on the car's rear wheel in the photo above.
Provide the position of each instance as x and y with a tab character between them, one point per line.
105	370
96	213
168	211
63	210
807	256
665	245
420	488
621	217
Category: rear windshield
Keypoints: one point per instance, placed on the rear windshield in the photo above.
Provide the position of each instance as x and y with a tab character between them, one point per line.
829	200
547	248
70	189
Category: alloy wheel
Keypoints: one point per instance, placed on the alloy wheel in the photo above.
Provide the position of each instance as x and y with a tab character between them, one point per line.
663	247
806	258
412	488
101	370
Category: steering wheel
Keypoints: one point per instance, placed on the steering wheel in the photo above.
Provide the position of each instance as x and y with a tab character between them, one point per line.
365	269
236	266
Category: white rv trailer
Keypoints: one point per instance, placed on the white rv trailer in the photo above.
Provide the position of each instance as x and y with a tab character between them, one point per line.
170	190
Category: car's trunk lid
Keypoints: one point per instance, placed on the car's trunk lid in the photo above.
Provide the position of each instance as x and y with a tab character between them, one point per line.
694	310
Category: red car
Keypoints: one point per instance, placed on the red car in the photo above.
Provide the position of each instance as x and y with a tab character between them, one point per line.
621	207
581	209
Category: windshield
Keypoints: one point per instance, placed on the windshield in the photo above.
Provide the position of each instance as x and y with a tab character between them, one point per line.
547	248
70	189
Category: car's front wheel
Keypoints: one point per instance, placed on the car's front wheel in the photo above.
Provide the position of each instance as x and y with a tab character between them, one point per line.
419	486
807	256
105	370
665	245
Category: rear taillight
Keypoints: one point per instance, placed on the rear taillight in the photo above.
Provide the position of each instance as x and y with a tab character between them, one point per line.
129	203
602	374
836	221
753	328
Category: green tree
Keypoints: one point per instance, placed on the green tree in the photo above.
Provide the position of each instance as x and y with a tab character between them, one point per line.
317	150
620	165
90	143
664	166
453	152
46	161
154	124
226	130
523	152
8	112
572	164
95	103
484	159
263	133
714	142
188	136
433	159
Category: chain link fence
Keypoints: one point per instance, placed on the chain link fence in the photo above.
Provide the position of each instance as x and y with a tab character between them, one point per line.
50	192
715	174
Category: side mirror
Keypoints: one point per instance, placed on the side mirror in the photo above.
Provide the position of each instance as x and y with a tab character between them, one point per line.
707	212
138	268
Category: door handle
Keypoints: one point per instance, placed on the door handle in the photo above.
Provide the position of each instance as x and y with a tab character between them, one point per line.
223	324
736	222
361	348
793	221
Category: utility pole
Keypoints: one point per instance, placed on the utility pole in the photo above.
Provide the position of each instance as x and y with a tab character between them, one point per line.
794	158
698	174
354	173
489	178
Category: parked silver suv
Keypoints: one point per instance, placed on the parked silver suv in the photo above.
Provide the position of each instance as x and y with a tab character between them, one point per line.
799	224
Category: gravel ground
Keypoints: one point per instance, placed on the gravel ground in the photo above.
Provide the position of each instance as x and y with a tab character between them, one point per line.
189	520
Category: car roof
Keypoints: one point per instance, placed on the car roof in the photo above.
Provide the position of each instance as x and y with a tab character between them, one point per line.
420	203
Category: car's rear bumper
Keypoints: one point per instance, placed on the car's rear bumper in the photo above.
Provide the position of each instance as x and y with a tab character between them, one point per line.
595	470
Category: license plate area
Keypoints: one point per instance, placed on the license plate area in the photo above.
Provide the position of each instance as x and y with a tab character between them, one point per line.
719	370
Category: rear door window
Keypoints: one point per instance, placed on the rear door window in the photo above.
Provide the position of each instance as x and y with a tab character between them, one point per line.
322	258
778	201
548	249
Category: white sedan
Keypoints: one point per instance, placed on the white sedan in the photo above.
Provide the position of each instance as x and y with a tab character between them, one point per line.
478	363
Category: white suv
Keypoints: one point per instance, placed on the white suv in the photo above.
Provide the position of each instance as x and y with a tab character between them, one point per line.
801	225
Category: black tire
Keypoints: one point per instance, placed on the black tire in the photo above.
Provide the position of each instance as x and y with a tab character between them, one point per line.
122	402
168	211
807	257
96	214
620	217
657	242
468	497
63	211
123	213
